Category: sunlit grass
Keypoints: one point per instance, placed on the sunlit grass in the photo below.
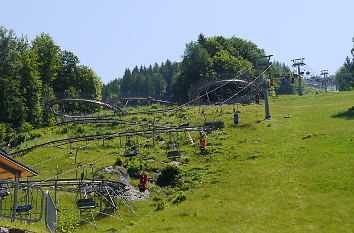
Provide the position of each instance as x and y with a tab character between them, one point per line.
284	175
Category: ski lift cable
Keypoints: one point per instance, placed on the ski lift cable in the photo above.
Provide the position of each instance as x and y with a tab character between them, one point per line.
206	93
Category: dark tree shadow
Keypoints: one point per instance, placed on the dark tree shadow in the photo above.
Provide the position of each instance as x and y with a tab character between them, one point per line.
349	114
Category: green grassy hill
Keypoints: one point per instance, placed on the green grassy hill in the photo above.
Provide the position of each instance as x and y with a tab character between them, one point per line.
283	175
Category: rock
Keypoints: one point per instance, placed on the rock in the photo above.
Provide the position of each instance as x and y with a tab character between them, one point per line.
121	171
176	163
133	194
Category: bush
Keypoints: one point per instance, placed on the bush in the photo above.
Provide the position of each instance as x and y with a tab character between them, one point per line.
25	127
169	176
178	198
6	132
64	130
20	138
119	161
3	130
159	203
80	129
34	135
134	170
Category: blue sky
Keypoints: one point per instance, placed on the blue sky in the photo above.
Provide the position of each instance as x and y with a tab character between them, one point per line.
111	35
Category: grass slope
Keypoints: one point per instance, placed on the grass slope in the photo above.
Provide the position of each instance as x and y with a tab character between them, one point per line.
283	175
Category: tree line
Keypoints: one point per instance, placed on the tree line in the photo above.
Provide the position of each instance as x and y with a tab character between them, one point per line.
202	59
154	81
33	72
344	76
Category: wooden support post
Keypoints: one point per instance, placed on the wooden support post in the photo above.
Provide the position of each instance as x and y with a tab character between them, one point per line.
153	133
17	179
76	154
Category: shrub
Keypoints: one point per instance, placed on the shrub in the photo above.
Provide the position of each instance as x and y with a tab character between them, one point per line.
34	135
178	198
25	126
3	130
80	129
159	203
169	176
20	138
134	170
64	130
119	161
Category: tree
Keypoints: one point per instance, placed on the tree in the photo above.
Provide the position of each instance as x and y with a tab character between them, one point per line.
201	39
31	88
11	99
67	75
48	59
224	62
194	66
344	79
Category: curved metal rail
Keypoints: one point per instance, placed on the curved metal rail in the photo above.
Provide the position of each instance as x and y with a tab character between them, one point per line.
49	105
202	85
112	135
143	99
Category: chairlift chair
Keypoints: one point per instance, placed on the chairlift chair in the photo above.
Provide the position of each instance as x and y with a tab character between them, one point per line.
130	150
4	192
143	182
272	81
131	154
173	153
257	98
202	144
23	208
236	118
86	203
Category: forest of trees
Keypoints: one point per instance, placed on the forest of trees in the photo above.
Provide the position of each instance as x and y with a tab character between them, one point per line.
345	74
205	58
32	73
153	81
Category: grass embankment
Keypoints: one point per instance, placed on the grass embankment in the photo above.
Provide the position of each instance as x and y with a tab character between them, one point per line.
283	175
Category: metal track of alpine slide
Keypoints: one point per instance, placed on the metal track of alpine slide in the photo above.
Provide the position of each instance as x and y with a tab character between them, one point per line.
155	130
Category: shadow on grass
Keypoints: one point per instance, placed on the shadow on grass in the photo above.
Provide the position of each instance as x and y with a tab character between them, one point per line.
244	126
347	115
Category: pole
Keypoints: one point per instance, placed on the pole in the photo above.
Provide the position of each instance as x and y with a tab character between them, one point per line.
298	62
324	73
266	103
17	179
153	133
325	82
300	80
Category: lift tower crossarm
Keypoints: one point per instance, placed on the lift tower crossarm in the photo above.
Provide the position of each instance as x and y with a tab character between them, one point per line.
325	79
298	62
